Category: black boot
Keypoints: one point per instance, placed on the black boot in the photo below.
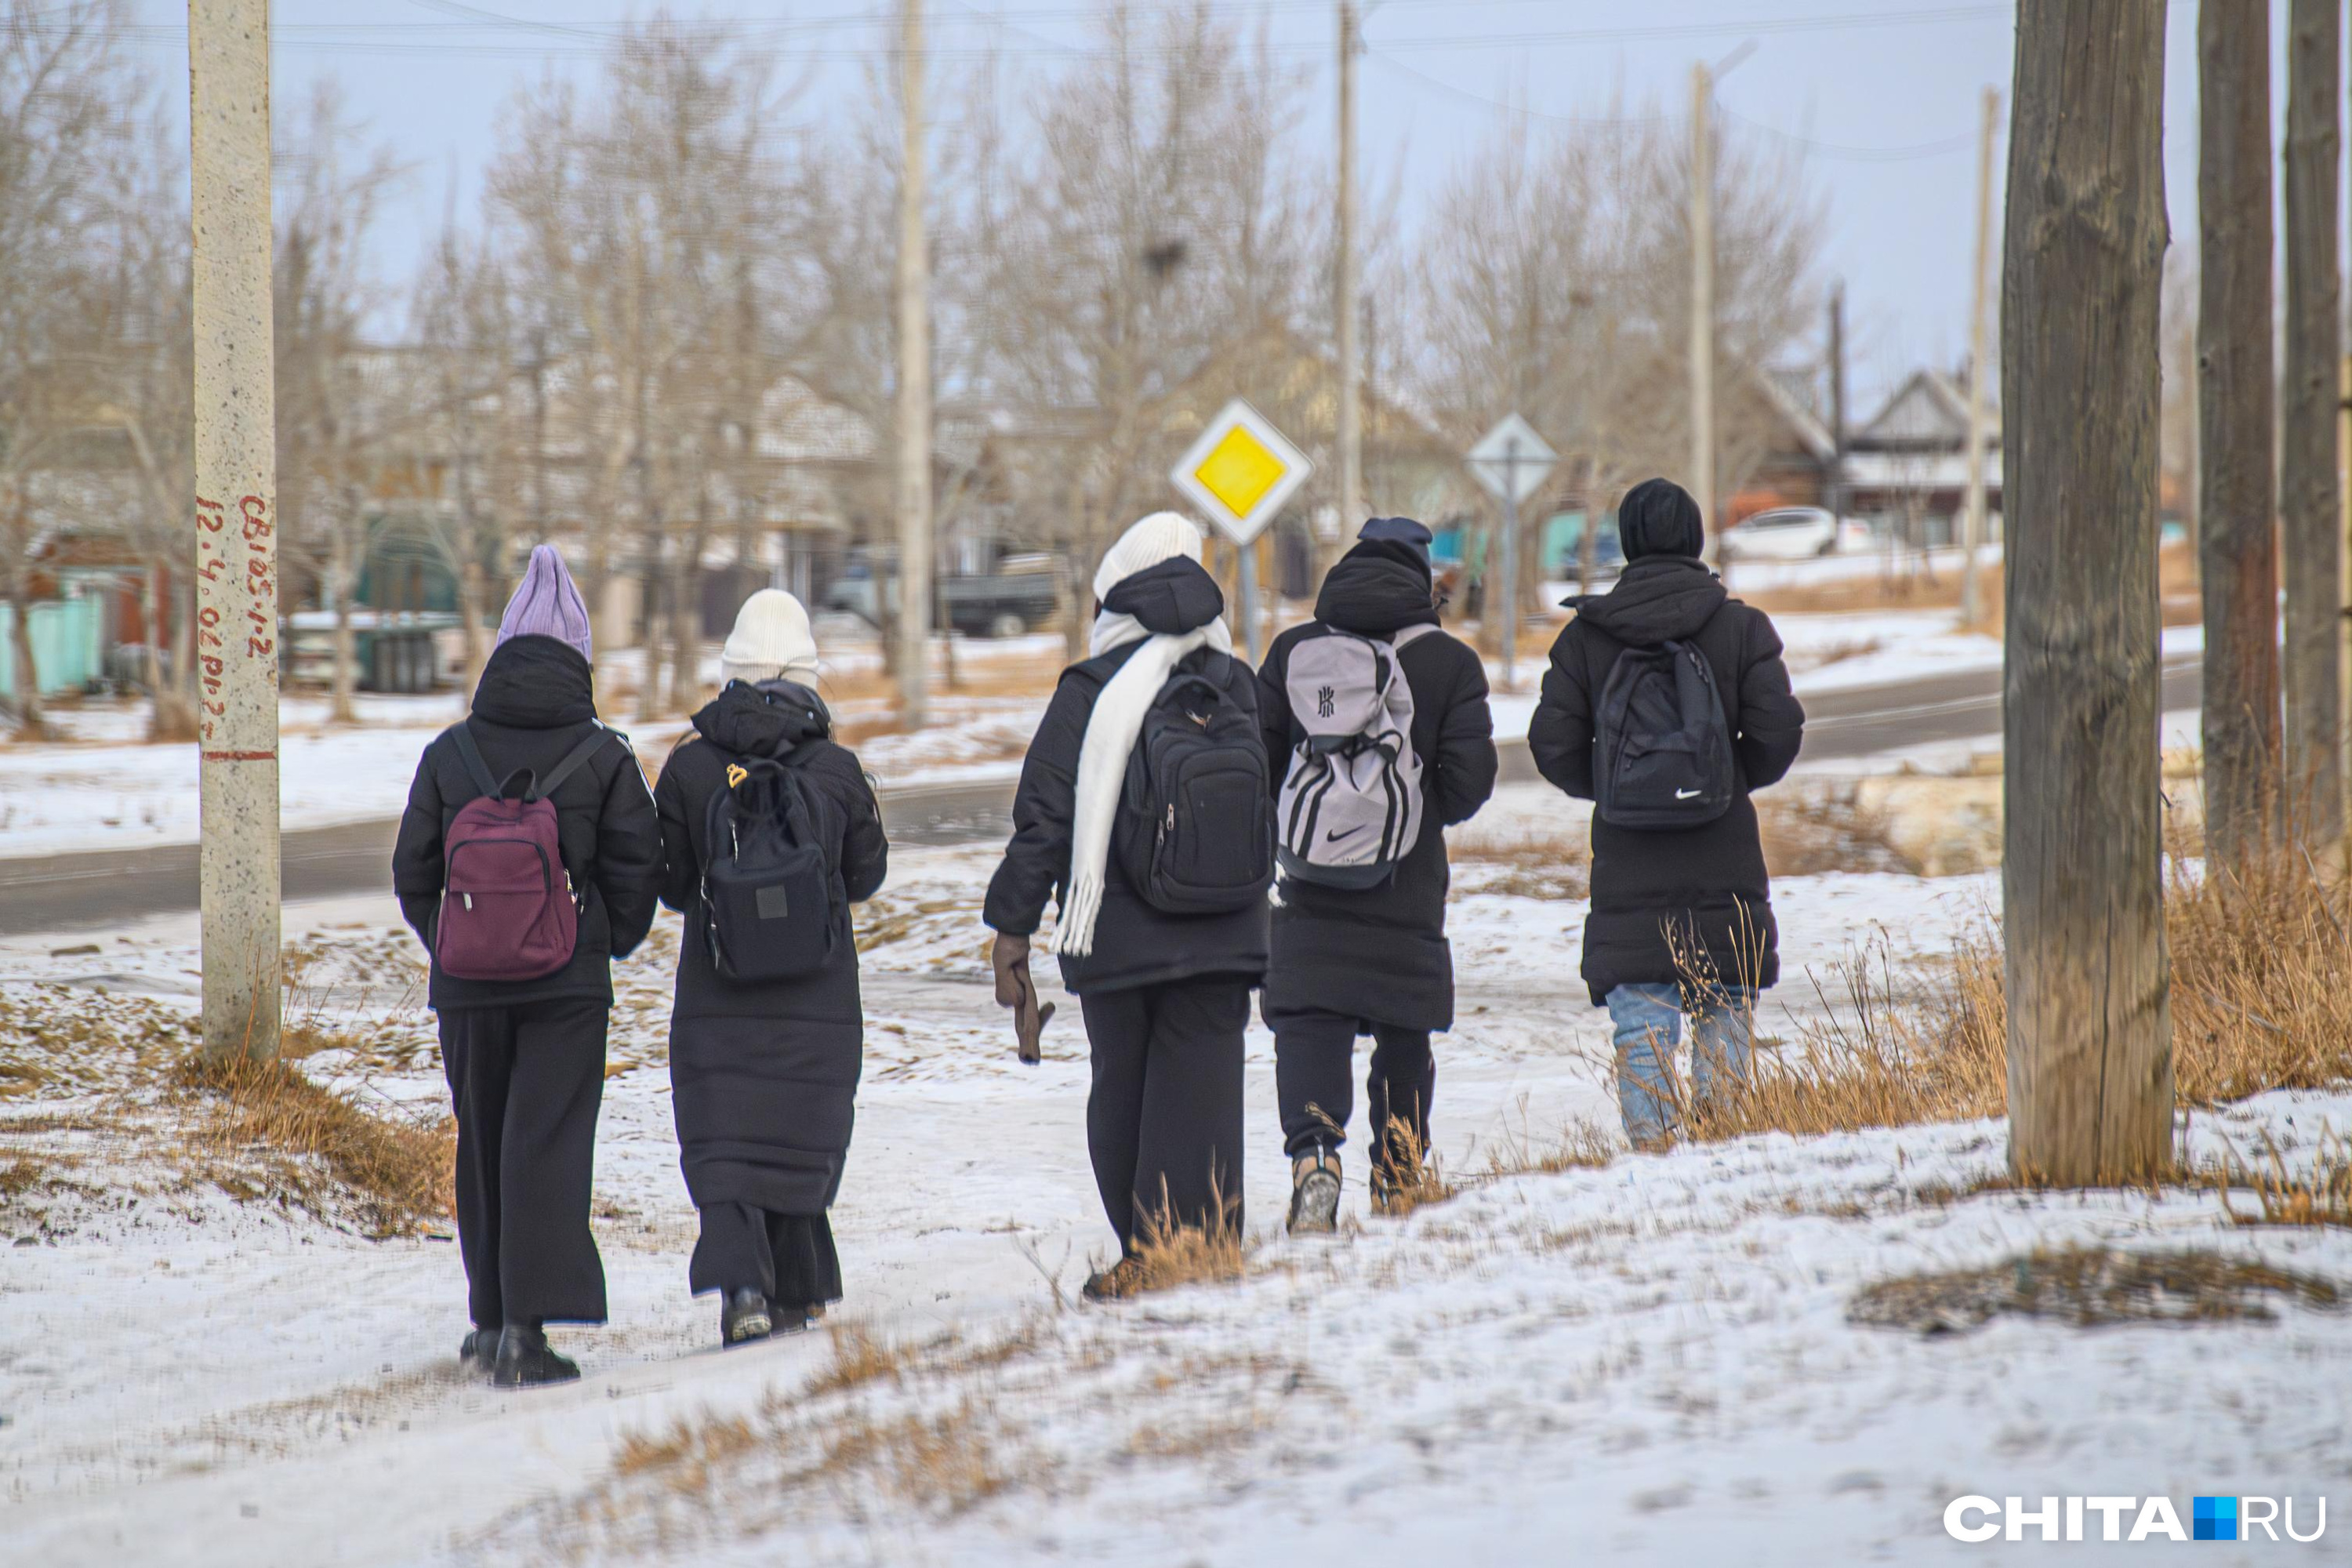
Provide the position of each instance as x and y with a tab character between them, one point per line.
481	1348
525	1360
1315	1192
743	1317
793	1317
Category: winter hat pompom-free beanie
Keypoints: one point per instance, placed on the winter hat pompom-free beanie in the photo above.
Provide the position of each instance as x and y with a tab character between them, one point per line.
1658	517
546	604
1163	536
771	641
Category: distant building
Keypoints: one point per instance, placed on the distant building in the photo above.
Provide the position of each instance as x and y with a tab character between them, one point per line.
1907	469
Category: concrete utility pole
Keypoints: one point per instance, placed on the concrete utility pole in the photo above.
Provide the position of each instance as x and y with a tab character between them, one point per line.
914	475
1837	399
2090	1025
235	523
1351	369
1702	303
2307	486
1973	530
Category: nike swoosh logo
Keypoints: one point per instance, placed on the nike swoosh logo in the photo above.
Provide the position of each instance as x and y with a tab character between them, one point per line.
1335	838
1686	795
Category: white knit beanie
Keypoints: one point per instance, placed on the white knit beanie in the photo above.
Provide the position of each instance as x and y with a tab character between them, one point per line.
1163	536
771	641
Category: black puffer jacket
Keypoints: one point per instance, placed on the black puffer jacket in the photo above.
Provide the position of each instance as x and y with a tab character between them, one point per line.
1135	944
1379	954
1709	882
535	702
764	1075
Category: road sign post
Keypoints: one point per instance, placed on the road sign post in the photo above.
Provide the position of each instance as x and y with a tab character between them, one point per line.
235	523
1510	461
1240	473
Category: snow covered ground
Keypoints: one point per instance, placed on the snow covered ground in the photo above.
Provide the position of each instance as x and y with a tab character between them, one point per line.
1646	1362
102	787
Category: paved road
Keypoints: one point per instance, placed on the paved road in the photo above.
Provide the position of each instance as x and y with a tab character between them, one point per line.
64	892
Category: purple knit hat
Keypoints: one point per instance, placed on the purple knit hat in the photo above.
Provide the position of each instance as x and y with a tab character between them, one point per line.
546	604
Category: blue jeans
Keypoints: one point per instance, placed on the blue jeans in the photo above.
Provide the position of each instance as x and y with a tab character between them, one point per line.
1647	1020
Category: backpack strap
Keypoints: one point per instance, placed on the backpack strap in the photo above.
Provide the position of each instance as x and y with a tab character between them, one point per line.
1408	634
477	769
539	789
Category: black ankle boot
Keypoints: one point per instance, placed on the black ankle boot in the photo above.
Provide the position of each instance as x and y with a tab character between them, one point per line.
524	1360
480	1349
743	1317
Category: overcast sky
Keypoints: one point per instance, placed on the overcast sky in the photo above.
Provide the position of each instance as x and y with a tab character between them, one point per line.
1881	95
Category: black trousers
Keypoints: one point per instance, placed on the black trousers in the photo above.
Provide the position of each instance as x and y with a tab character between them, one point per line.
1164	1120
527	1082
787	1257
1314	1079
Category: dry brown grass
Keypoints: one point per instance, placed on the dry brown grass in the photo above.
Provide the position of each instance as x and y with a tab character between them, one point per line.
1808	832
397	1171
1413	1177
2319	1195
860	1357
1548	866
1582	1145
2262	963
2090	1287
1172	1252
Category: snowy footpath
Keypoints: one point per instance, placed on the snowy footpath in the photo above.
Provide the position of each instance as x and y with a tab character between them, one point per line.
1649	1360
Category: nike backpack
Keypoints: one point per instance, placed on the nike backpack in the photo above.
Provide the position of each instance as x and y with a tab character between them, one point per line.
1351	802
1195	829
1662	745
769	905
508	908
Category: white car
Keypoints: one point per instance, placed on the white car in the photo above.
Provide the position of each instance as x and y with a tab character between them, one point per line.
1793	533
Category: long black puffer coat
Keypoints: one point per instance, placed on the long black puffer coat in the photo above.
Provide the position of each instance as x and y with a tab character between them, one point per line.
1706	884
1135	944
1379	954
536	701
764	1075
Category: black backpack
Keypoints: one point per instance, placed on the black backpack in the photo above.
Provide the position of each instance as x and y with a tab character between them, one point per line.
1663	745
769	905
1195	829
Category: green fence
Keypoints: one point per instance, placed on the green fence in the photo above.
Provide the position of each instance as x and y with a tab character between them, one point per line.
66	652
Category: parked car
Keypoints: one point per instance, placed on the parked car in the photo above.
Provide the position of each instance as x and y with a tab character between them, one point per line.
1022	593
1793	533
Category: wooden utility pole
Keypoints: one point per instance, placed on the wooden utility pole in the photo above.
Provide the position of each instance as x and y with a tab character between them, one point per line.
2236	510
1702	303
1837	400
1351	371
2090	1029
1973	528
2307	482
914	467
235	523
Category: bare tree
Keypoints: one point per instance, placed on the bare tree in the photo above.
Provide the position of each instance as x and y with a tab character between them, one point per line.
2090	1031
2236	510
2307	482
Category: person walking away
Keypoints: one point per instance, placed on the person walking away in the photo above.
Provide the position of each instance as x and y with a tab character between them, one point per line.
527	861
770	832
1371	706
1666	705
1143	809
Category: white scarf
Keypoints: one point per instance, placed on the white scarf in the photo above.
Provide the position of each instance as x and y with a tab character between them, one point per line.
1111	731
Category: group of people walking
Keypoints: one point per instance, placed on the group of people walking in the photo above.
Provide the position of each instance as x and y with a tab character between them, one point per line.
1203	830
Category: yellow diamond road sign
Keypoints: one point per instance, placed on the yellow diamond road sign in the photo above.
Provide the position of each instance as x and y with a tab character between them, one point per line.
1241	471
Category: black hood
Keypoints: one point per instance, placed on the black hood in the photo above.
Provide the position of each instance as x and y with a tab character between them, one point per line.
1379	587
763	720
1659	598
1658	517
535	683
1175	596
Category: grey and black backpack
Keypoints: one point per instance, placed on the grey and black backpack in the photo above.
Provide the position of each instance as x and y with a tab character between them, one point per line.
1350	804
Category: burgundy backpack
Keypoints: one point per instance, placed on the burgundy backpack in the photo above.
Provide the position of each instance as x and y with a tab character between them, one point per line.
509	911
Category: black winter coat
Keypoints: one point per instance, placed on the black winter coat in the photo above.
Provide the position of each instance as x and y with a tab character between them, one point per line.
535	702
1707	883
1135	944
764	1075
1379	954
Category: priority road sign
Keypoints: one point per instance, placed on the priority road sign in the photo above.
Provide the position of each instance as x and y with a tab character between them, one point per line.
1511	460
1241	471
